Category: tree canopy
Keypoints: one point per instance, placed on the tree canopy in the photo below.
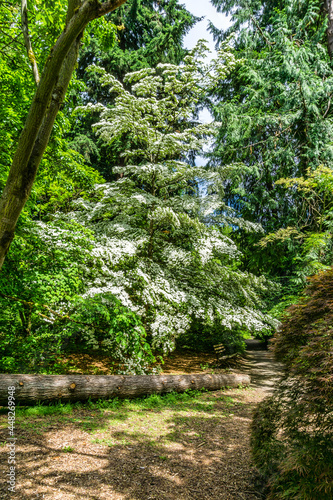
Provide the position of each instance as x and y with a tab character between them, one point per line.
116	245
123	245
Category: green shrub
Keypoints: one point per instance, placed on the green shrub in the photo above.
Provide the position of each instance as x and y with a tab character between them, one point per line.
202	337
99	324
104	325
292	430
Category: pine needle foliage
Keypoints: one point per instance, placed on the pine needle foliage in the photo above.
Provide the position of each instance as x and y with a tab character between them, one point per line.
275	111
277	120
148	32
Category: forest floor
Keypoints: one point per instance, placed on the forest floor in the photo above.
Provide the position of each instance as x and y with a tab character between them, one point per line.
192	446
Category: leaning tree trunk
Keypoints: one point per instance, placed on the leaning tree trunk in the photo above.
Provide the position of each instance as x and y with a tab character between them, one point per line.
32	388
50	91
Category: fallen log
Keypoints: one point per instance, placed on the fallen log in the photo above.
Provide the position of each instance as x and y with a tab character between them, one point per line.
32	388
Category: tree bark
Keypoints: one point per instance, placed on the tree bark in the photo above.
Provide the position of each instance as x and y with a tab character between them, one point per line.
32	388
27	41
43	110
329	8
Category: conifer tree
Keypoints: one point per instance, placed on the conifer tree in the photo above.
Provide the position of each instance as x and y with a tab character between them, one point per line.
148	32
276	116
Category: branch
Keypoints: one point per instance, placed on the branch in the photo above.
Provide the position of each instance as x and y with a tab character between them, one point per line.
252	145
328	108
109	6
30	52
277	134
269	43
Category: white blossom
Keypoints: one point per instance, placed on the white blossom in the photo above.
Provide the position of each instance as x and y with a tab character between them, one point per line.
158	247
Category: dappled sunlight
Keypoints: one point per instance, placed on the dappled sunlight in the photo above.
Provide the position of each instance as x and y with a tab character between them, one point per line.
175	450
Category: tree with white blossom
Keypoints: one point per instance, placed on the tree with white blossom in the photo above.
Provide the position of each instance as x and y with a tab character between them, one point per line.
159	257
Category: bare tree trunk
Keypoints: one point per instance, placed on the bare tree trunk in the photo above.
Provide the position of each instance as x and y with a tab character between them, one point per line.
43	111
329	8
32	388
27	41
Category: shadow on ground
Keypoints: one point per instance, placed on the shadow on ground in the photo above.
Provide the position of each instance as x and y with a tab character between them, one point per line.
158	454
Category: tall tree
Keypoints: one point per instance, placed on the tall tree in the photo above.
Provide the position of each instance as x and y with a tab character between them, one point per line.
159	257
275	111
148	32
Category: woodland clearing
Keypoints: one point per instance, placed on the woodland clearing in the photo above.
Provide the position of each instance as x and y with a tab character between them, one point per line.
186	446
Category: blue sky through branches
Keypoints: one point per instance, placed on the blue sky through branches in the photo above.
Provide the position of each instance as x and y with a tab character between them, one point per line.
203	8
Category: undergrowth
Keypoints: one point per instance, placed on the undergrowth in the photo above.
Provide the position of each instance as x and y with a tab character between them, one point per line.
292	431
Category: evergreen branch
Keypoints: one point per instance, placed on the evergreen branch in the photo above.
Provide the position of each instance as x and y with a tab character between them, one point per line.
277	134
269	43
303	98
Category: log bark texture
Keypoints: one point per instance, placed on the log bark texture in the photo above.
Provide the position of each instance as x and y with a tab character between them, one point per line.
32	388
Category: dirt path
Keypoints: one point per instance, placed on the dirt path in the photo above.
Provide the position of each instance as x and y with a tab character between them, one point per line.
195	448
265	372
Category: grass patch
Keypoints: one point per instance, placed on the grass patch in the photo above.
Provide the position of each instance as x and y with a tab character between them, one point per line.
154	421
43	410
154	401
67	449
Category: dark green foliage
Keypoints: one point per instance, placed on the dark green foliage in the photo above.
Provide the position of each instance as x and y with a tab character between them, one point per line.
148	32
104	324
292	431
100	324
276	120
202	337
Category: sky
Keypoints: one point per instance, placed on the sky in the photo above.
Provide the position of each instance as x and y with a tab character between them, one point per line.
203	8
